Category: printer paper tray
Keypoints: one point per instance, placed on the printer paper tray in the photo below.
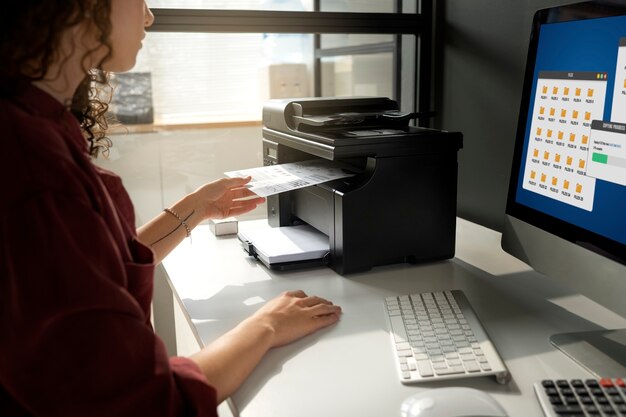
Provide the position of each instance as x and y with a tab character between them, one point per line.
289	247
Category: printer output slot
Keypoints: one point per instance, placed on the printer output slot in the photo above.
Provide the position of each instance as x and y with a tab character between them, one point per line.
315	205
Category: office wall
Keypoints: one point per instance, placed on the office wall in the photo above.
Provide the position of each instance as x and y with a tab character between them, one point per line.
482	47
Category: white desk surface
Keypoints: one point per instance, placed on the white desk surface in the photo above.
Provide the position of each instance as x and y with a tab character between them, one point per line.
348	369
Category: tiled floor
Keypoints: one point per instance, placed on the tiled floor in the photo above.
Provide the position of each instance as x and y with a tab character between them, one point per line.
160	168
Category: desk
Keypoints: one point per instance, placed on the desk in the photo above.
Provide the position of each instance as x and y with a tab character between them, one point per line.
348	370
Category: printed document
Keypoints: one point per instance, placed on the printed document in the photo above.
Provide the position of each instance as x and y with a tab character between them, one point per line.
276	179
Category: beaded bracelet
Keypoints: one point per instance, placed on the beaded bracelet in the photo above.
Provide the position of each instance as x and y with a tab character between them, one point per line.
183	222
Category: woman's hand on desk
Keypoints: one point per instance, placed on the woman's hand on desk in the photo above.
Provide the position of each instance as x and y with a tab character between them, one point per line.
293	315
228	361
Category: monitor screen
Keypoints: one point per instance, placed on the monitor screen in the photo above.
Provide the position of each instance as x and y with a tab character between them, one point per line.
566	208
569	174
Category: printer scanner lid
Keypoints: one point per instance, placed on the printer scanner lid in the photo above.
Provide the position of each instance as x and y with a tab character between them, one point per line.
351	127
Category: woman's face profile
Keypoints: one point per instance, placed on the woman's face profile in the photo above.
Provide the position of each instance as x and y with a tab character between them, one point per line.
129	18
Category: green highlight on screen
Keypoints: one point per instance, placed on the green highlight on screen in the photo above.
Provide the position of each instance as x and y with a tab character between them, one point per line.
600	158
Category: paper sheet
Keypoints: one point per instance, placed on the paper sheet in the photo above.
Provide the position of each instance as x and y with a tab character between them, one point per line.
287	244
276	179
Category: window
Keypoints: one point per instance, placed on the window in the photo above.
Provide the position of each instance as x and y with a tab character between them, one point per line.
217	61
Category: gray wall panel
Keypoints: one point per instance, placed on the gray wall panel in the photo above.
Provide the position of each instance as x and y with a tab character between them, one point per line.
482	53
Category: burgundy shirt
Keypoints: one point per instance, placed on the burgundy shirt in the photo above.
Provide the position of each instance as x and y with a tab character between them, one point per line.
75	284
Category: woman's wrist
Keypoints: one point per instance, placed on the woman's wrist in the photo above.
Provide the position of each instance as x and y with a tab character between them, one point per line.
189	209
174	224
263	331
183	221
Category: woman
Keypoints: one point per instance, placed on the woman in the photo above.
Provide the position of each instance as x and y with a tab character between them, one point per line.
75	277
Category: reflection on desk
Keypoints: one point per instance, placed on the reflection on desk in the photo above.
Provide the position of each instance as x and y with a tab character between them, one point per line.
348	369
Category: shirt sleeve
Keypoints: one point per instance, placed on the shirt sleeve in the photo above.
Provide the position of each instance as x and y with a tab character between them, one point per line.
74	340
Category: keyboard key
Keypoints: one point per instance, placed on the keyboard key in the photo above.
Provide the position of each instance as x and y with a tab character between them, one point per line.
405	353
606	382
568	409
556	400
570	399
451	371
562	383
472	366
398	330
424	368
617	399
601	399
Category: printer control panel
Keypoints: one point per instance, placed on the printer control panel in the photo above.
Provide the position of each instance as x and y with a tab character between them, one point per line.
269	162
275	153
270	153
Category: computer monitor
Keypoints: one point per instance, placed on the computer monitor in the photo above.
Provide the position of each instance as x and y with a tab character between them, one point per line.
566	207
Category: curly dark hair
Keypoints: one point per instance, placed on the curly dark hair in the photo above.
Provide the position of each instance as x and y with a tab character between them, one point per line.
30	36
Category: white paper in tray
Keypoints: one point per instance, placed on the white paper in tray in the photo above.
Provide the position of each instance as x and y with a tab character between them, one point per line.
287	244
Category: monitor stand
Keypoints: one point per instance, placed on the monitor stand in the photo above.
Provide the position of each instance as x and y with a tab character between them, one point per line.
601	352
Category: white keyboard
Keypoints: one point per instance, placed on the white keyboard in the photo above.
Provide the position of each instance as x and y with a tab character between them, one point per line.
437	336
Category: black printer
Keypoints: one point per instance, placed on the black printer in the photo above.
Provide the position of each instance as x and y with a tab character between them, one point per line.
401	204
